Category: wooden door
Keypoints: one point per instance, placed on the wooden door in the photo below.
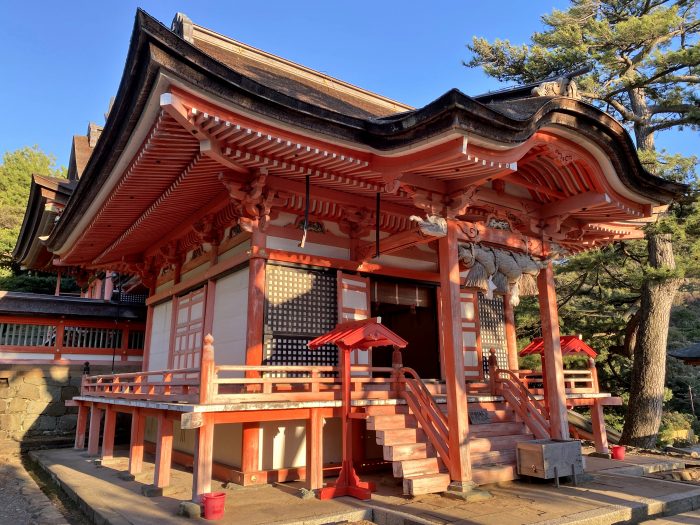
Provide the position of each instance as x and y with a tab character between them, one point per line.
353	305
471	340
188	330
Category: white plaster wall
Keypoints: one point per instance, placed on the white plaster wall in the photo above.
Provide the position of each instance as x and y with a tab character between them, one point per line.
165	286
160	336
239	248
230	319
310	248
283	444
409	264
195	272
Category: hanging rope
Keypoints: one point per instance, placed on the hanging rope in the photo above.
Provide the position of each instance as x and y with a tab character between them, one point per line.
306	212
377	226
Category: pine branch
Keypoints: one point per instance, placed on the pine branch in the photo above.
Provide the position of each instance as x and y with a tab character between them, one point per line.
676	108
666	124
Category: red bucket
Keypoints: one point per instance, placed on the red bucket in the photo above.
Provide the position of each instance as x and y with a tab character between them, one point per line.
618	452
213	503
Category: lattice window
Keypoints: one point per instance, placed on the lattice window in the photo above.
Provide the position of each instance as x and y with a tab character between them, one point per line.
14	334
301	305
92	337
189	326
493	330
137	339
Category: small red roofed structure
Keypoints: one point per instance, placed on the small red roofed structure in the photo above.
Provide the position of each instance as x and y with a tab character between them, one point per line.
570	345
353	335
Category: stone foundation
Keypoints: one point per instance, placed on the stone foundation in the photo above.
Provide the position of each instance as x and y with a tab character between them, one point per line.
32	404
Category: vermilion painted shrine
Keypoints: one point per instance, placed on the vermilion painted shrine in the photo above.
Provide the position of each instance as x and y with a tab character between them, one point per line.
264	203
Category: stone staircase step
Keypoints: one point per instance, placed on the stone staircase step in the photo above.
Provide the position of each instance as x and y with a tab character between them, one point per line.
425	484
493	456
397	436
391	421
485	444
406	451
487	474
412	467
497	429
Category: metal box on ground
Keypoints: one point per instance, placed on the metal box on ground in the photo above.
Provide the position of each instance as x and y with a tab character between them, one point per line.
550	458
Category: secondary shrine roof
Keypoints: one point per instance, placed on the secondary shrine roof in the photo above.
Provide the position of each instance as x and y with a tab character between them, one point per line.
194	105
570	345
361	335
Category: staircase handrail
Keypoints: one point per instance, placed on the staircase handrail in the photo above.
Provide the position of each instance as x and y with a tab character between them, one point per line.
531	411
423	406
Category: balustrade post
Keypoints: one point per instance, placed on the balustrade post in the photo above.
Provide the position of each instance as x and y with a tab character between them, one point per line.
207	372
493	372
397	365
594	375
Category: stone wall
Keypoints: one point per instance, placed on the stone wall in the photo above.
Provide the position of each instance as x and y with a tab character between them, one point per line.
32	404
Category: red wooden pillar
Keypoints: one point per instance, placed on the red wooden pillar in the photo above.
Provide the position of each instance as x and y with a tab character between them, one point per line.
511	340
460	468
81	427
138	428
203	457
314	450
94	439
552	362
164	451
108	434
250	453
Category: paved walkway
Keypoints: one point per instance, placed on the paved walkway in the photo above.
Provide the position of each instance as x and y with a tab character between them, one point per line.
21	499
611	494
688	518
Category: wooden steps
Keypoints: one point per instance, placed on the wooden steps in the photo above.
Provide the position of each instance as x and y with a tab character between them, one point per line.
492	446
418	484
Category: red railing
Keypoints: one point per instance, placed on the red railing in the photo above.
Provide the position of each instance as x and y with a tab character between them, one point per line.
58	339
177	386
423	406
532	412
241	383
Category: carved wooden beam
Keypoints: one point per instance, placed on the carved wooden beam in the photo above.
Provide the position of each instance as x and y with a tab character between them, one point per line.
426	231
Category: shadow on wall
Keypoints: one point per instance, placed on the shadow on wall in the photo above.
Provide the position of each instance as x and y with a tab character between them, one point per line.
32	405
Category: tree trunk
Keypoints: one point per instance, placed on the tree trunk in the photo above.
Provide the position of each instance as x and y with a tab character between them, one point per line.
649	366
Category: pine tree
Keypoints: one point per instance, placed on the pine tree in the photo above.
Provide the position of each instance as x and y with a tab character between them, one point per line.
644	67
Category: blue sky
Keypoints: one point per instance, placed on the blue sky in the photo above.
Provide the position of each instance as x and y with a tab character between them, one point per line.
62	61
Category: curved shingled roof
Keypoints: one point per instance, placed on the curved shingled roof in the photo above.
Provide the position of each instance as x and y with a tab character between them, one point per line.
156	49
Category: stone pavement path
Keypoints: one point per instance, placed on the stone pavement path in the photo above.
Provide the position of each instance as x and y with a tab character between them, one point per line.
21	499
686	518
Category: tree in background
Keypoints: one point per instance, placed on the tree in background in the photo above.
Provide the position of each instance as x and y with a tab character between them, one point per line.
16	173
644	60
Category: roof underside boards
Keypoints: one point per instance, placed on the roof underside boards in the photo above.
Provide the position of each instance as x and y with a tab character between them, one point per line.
412	158
47	196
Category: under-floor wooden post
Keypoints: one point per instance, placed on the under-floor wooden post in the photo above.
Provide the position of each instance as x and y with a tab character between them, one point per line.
94	438
108	434
138	429
81	427
203	457
164	451
250	454
600	434
552	362
460	464
314	450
